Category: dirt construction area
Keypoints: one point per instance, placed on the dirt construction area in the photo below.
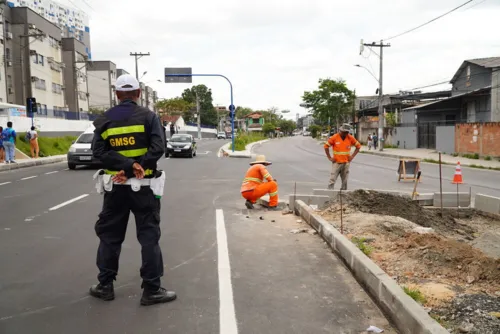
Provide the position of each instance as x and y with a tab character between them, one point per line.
449	263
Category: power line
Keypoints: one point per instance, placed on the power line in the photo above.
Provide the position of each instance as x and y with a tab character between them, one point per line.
428	22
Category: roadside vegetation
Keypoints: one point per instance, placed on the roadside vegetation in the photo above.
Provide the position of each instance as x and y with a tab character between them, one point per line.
48	146
243	139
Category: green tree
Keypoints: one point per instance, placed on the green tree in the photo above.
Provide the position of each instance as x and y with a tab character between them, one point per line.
287	126
97	110
315	130
208	114
174	106
268	128
332	100
391	119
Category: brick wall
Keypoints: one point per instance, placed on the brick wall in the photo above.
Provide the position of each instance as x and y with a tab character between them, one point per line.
481	138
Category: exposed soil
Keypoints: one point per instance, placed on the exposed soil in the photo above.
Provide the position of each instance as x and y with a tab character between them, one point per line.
442	257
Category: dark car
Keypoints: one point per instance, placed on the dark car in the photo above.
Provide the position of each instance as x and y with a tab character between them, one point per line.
80	152
181	144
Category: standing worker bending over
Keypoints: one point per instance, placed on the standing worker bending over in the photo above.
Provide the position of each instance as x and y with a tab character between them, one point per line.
254	187
129	140
341	144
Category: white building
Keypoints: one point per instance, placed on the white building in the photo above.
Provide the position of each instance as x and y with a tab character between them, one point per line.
73	22
101	77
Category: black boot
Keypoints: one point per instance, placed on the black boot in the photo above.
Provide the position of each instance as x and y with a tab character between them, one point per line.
161	296
104	292
249	205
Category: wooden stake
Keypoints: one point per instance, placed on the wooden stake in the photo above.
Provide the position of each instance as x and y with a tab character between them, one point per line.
341	214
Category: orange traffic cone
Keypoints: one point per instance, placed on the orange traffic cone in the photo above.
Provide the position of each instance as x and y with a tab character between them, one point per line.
457	178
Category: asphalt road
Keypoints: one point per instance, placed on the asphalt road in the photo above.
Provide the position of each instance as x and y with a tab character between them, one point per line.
232	269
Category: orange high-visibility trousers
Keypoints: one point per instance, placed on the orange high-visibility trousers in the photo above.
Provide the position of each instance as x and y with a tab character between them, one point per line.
270	188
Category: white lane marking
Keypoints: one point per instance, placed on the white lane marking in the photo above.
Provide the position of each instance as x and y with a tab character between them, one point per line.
56	171
29	177
227	316
68	202
2	184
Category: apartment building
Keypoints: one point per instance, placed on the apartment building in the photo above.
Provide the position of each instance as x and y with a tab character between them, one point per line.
101	77
75	76
149	97
73	22
120	72
34	65
142	100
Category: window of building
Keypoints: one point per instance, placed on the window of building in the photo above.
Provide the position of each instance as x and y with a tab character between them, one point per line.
40	84
9	81
82	96
7	54
41	60
56	88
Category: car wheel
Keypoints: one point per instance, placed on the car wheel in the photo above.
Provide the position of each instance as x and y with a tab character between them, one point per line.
191	155
71	166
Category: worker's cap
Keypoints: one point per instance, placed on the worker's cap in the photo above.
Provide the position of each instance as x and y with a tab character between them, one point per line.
345	128
126	83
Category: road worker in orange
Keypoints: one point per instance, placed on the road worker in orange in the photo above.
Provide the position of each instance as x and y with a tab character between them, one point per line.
341	144
254	187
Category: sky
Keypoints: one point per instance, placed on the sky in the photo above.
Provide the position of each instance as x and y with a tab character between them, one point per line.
274	50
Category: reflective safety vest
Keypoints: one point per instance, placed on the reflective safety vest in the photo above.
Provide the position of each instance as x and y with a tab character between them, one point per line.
255	176
127	137
342	147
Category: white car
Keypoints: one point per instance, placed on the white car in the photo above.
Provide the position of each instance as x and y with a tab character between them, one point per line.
80	152
221	135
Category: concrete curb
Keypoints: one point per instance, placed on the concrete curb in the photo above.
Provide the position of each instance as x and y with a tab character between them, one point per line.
247	153
33	162
408	316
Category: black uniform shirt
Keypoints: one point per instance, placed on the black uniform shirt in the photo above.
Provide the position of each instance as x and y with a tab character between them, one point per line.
114	160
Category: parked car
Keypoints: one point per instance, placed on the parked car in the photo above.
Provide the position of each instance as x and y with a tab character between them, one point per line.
221	135
181	144
80	152
306	133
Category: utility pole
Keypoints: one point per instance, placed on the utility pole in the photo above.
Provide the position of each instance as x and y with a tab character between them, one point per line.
199	117
380	91
138	55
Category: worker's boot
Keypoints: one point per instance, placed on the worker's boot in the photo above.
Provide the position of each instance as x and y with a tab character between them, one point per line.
273	208
157	297
249	205
104	292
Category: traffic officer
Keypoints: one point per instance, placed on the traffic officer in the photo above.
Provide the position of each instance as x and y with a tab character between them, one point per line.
129	140
341	144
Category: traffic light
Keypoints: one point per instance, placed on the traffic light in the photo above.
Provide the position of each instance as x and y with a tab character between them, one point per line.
31	107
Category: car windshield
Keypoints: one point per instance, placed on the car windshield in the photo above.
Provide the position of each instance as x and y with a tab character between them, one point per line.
85	138
181	139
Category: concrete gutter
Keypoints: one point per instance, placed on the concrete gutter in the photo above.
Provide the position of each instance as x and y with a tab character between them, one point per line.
406	314
33	162
247	153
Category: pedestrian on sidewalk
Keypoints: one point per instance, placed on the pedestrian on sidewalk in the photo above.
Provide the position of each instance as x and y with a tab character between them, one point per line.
370	142
33	138
9	138
254	187
129	140
341	144
2	149
375	141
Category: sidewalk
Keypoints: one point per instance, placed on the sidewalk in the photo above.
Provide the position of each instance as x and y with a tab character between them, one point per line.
33	162
247	153
427	154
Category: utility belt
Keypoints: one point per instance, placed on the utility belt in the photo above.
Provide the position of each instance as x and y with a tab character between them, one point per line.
105	183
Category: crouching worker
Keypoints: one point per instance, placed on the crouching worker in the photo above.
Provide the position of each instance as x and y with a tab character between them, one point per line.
254	187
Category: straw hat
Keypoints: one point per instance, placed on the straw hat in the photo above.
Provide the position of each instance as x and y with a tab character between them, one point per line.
261	159
345	128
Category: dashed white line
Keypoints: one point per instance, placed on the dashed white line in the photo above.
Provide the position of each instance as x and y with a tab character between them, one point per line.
2	184
227	315
68	202
56	171
29	177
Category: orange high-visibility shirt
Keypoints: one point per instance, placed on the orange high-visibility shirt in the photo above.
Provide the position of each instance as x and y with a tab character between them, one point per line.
342	148
255	176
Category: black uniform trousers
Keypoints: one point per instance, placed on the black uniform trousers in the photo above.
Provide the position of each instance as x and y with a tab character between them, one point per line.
112	226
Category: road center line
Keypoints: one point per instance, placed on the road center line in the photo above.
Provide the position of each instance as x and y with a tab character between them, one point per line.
227	316
68	202
2	184
29	177
56	171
